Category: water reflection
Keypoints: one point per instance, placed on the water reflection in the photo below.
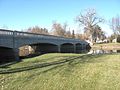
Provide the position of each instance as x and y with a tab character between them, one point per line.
101	51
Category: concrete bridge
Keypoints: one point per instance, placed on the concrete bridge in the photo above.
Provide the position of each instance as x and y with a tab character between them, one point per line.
11	41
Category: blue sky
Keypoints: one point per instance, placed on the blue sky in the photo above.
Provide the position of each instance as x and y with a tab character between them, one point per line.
21	14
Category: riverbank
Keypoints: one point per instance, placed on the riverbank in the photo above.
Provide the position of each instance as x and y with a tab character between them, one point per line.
63	72
107	46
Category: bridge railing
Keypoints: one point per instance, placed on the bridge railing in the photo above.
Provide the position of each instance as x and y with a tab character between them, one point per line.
6	32
32	35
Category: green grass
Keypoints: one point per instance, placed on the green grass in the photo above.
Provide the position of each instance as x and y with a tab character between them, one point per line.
63	72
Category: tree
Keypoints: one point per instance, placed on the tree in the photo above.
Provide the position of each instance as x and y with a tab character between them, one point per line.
68	34
58	29
98	33
37	30
73	34
89	20
110	38
115	25
81	36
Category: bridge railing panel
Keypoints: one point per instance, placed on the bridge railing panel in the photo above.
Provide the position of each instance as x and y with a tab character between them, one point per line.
6	32
33	35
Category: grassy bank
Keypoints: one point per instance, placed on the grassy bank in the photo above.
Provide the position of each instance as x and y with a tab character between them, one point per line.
109	46
63	72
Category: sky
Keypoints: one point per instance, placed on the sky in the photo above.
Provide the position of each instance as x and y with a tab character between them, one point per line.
22	14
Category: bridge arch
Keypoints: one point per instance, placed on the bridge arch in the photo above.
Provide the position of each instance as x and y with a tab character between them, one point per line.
36	43
45	48
67	48
37	49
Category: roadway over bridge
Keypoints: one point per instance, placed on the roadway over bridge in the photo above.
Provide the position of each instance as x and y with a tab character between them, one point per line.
11	41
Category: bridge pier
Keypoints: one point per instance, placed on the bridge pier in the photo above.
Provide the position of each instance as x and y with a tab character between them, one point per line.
16	54
59	48
74	46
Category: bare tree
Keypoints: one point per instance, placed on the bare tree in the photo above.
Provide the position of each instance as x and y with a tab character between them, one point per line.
89	19
115	25
68	34
81	36
58	29
38	30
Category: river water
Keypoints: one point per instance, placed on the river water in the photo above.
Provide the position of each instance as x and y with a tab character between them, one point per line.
101	51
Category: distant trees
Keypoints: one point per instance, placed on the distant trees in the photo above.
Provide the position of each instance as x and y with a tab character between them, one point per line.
61	30
114	38
37	30
73	34
98	33
81	36
68	34
89	20
111	37
58	29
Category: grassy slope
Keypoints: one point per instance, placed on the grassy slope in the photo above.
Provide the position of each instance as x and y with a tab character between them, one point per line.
74	72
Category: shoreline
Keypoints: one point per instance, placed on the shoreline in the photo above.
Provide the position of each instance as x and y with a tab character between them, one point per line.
107	46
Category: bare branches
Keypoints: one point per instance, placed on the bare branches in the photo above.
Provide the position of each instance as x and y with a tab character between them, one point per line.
38	30
58	29
115	25
89	19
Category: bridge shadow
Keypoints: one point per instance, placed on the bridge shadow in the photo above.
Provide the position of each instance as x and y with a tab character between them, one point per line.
29	56
33	55
72	61
7	62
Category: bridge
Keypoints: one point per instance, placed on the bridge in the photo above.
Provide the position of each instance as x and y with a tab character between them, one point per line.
11	41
